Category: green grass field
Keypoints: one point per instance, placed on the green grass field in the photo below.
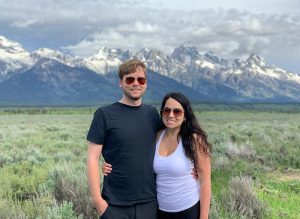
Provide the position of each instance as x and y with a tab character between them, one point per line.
256	163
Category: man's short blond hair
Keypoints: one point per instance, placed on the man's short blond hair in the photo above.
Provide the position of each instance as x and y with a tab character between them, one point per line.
130	66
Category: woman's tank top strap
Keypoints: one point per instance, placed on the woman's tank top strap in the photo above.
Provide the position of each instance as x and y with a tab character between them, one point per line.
160	138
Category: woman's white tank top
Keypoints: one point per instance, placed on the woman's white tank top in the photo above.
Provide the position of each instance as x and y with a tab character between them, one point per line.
176	188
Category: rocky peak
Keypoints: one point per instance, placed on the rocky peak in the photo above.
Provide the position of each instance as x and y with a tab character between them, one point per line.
185	54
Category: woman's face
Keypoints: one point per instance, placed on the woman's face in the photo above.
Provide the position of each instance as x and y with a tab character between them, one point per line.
172	114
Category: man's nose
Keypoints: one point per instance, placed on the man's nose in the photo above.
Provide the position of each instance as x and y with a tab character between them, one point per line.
135	82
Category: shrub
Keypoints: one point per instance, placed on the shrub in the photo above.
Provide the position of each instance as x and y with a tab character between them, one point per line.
245	151
220	162
9	210
241	199
21	181
4	159
34	208
70	184
213	212
63	211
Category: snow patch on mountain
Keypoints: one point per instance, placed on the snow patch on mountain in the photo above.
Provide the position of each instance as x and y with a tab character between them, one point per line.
56	55
13	57
106	60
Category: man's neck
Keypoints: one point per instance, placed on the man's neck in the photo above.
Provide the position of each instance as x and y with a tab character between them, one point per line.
131	102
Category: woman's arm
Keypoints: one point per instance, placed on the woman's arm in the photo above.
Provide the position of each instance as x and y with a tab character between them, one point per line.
204	176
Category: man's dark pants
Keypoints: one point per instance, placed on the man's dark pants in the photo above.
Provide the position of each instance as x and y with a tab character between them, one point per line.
146	210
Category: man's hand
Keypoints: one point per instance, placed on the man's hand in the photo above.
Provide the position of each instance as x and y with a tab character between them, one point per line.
101	207
194	174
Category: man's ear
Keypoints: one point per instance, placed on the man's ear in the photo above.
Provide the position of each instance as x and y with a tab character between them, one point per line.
120	83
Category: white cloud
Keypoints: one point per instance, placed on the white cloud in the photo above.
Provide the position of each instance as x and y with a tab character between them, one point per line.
24	23
138	27
230	33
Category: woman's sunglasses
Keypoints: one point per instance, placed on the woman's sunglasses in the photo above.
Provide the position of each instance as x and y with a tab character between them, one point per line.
177	112
140	80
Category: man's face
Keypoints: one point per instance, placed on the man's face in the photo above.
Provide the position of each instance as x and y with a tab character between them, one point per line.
134	89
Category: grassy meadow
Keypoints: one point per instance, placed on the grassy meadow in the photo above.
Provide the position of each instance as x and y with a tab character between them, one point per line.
255	161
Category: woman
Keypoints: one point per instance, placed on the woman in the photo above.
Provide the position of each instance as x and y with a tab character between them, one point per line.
181	146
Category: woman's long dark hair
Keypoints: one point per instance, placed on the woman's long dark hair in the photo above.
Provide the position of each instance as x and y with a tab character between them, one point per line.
189	128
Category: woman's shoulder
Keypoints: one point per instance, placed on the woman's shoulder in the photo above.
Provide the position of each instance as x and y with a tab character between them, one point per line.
198	138
158	134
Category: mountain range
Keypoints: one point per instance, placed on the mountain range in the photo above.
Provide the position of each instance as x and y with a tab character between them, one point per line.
49	77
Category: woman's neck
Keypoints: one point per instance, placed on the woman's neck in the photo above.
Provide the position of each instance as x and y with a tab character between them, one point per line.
172	132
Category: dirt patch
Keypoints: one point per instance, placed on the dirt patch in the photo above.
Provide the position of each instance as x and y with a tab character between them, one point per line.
287	175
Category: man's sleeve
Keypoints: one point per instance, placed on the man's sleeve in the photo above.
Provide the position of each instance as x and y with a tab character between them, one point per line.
97	129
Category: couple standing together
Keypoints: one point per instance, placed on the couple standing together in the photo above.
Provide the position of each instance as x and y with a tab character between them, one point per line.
151	156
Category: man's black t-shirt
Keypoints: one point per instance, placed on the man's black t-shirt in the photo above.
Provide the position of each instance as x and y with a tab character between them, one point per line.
127	134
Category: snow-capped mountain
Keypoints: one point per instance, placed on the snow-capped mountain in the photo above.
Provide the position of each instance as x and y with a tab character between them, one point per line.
204	75
256	65
254	78
159	62
251	78
52	82
13	58
54	54
106	60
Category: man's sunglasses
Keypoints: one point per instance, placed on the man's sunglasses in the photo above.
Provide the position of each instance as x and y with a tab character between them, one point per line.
140	80
177	112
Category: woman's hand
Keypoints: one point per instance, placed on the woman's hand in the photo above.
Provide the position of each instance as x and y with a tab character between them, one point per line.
106	168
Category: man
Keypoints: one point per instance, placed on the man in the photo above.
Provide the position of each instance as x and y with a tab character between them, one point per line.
124	133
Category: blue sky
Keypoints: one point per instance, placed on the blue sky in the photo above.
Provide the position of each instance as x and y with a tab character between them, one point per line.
229	28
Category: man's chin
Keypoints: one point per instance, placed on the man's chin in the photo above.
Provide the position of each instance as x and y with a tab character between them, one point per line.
135	97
